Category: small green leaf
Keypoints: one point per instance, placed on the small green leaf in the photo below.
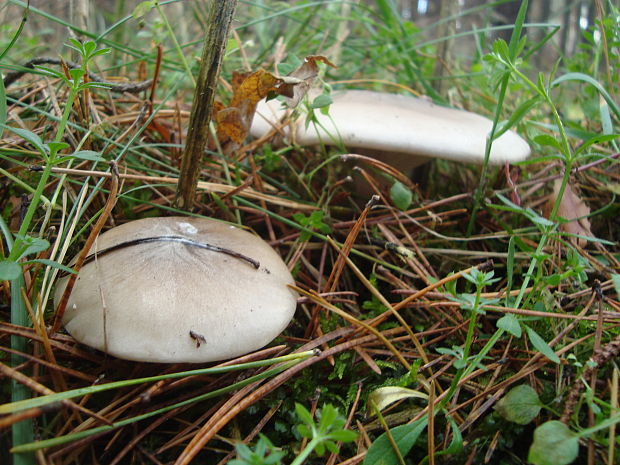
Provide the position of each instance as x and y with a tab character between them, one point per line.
53	264
31	137
521	405
76	74
500	47
9	270
77	49
540	345
321	101
510	324
597	139
537	219
102	51
95	85
328	416
33	245
380	451
303	414
304	431
554	444
401	195
553	280
26	245
75	43
51	72
331	446
89	47
141	9
516	117
456	445
88	155
343	435
547	140
56	147
381	397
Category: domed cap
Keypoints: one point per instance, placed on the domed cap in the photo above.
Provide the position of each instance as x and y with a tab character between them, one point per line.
412	130
179	290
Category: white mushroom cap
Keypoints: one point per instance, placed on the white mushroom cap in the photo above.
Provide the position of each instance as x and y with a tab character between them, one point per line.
171	301
412	130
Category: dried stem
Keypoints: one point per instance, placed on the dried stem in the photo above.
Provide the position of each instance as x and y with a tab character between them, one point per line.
219	21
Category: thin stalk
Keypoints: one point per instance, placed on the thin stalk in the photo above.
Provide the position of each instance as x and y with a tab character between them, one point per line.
22	432
303	455
512	51
220	19
472	324
466	349
47	171
177	46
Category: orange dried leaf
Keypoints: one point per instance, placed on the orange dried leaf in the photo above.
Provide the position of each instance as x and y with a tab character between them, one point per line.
255	87
237	79
231	125
248	88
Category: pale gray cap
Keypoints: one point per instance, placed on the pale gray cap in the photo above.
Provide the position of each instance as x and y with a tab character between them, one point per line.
171	301
411	129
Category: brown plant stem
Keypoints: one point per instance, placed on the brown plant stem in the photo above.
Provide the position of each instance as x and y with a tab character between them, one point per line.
220	18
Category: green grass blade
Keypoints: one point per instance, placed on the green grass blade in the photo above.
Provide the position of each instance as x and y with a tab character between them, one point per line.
33	446
51	398
22	432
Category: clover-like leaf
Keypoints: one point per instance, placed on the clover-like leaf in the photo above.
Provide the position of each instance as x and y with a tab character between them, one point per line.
521	405
554	444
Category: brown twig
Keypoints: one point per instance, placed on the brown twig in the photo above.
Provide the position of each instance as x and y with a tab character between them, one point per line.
131	87
220	18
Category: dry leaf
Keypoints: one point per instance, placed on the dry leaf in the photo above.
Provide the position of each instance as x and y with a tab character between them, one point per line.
233	122
294	92
573	209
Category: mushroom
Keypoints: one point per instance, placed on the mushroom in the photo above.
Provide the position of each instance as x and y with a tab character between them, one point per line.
179	290
401	130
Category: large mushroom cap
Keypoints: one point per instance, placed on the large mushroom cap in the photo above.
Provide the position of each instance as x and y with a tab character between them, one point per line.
167	299
413	129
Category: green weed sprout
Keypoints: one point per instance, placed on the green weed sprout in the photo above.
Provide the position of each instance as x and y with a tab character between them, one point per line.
322	436
264	453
